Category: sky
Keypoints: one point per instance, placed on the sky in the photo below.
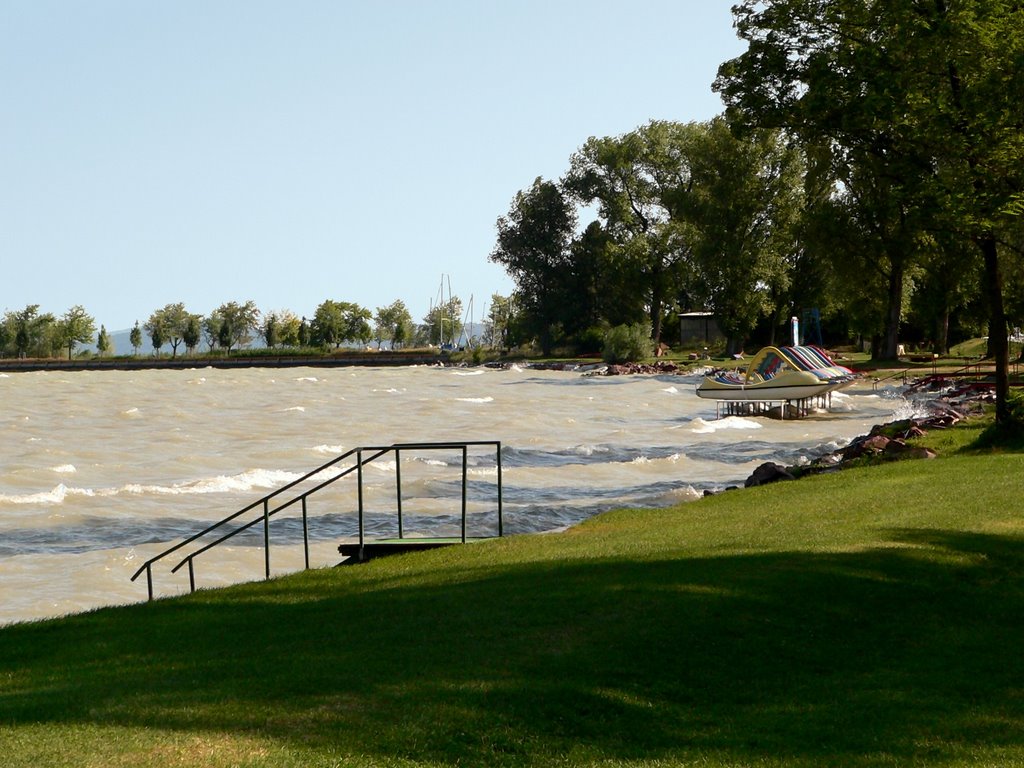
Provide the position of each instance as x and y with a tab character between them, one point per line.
206	151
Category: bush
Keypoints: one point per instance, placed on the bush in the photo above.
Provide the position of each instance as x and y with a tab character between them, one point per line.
628	343
592	339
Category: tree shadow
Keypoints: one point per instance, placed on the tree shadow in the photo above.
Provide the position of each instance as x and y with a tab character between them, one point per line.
838	658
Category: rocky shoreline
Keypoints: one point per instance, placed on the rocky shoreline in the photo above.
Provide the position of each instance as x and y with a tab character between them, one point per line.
885	442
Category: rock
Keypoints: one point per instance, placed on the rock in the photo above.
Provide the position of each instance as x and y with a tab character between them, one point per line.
873	444
769	472
900	450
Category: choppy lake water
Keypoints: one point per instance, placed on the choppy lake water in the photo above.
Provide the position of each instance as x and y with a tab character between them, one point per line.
101	470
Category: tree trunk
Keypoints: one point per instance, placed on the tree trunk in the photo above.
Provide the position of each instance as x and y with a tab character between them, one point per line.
941	345
894	310
657	299
997	338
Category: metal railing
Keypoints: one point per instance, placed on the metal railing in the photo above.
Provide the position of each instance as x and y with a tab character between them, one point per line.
363	455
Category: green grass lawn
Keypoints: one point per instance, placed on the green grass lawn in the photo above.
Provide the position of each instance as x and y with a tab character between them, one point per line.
868	617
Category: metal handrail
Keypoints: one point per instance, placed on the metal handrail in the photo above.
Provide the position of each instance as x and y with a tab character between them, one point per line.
376	451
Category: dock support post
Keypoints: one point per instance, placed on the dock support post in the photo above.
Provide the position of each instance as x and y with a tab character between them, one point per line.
500	522
359	483
305	531
398	490
464	484
266	537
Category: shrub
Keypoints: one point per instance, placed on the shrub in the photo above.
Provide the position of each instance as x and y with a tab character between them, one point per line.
628	343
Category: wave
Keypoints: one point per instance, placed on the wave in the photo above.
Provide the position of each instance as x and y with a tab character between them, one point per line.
249	480
64	469
468	373
336	450
583	454
487	399
55	496
702	427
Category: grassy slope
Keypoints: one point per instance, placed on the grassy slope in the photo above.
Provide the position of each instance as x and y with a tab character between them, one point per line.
871	617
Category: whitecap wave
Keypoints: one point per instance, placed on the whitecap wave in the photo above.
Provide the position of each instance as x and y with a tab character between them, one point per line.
64	469
487	399
298	408
671	390
702	427
240	483
313	379
55	496
331	449
477	372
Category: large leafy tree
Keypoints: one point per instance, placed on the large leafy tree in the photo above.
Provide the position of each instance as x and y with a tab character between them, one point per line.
336	322
534	247
741	206
392	323
922	94
171	323
232	324
76	326
29	331
631	178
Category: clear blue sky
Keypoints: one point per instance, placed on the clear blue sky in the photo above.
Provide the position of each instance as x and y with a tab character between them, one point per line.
289	152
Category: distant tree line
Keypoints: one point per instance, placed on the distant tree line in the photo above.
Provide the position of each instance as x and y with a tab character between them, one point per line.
233	326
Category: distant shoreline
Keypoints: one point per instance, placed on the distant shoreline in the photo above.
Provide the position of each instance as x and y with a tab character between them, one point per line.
256	361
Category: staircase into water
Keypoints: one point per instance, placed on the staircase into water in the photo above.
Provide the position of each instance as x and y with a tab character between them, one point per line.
305	499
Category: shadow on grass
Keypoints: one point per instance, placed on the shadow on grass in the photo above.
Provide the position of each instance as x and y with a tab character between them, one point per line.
905	650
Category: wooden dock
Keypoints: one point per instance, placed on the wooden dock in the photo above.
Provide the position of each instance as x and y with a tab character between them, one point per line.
355	552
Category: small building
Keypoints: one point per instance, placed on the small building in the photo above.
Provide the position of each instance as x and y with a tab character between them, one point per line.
699	328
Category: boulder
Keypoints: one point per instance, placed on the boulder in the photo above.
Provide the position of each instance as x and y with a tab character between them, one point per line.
898	449
769	472
874	444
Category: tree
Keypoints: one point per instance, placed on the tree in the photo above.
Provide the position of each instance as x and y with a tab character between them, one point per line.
390	322
443	324
173	321
232	324
156	336
496	322
922	95
288	326
103	341
135	337
631	179
741	206
534	247
192	333
271	330
32	332
340	321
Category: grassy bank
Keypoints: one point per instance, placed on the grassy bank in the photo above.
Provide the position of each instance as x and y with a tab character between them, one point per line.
869	617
